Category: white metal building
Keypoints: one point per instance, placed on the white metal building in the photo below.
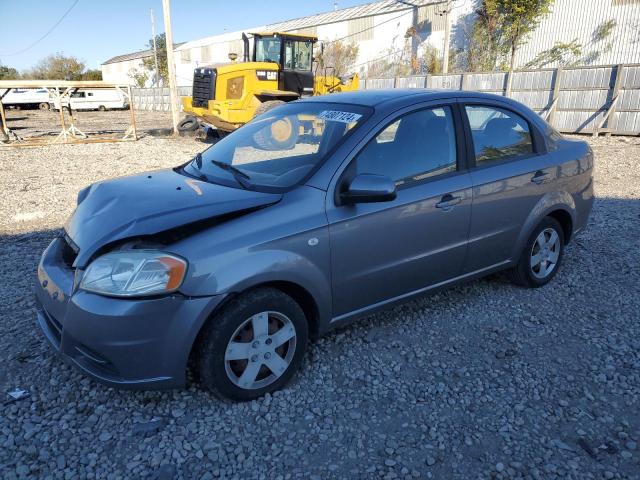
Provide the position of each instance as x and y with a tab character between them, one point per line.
380	31
584	20
119	69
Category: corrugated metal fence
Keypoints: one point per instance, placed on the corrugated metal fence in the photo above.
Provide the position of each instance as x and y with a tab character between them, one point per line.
156	98
579	99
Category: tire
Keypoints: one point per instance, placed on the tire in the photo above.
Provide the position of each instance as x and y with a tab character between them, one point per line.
102	108
273	311
266	106
43	106
266	140
188	124
532	273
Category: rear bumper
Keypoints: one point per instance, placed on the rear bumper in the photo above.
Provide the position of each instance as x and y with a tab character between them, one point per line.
126	343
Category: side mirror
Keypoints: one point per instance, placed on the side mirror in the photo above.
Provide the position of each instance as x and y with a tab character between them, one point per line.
369	188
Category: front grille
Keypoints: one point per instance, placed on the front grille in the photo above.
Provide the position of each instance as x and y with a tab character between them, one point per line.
68	251
204	87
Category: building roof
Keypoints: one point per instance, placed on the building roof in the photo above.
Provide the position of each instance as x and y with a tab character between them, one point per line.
135	55
367	10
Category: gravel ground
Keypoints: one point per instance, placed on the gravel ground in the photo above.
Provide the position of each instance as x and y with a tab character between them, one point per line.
482	381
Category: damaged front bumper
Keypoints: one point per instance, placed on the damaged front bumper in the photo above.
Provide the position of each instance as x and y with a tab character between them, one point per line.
133	343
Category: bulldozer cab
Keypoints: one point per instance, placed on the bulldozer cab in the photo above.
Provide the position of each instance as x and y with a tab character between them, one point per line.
294	55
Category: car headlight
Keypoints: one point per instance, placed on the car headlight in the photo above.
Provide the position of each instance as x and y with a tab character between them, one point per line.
134	273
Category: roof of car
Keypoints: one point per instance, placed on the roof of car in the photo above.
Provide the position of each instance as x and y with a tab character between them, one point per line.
373	98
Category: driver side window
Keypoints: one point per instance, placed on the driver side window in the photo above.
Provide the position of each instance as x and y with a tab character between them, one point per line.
416	146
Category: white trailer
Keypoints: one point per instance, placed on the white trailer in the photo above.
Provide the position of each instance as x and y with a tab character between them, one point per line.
26	98
99	99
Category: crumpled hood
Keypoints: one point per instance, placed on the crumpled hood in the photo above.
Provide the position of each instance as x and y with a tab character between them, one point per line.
150	203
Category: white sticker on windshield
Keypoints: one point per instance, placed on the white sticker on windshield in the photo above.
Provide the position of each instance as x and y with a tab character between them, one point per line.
337	116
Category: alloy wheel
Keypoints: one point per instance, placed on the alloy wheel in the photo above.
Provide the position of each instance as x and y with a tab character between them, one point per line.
260	350
545	253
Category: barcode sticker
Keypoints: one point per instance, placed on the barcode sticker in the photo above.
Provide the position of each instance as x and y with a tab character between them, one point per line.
337	116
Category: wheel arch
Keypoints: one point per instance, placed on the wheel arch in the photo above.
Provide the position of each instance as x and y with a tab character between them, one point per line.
301	295
565	220
558	205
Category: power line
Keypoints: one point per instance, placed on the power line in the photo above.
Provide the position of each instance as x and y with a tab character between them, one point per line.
43	36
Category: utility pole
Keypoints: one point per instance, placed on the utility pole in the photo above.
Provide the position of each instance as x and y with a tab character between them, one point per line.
447	31
155	49
171	67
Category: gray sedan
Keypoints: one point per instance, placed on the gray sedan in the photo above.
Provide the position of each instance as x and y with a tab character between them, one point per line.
316	213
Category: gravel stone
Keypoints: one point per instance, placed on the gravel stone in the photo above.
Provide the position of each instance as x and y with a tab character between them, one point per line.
417	391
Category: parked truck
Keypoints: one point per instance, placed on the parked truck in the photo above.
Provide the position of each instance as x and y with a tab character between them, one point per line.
19	98
281	69
98	99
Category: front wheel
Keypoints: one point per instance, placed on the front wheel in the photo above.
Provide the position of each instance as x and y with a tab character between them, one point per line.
253	346
542	255
43	106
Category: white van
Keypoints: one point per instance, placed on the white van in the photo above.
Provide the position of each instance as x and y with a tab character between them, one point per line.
99	99
26	98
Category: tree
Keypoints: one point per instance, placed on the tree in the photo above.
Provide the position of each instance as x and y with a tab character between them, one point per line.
57	67
498	29
93	74
150	64
8	73
563	54
432	59
518	18
486	43
338	55
139	78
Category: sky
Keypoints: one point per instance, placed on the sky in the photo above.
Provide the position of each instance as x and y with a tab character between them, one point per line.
96	30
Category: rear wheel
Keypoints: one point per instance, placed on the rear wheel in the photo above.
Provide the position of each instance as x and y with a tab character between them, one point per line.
102	108
542	255
253	346
43	106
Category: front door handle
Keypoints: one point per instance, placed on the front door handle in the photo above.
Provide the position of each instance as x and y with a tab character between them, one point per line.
539	177
448	201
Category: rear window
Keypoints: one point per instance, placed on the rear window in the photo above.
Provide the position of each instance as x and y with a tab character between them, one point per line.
498	134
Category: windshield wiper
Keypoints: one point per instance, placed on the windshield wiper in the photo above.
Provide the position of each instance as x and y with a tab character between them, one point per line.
240	176
199	160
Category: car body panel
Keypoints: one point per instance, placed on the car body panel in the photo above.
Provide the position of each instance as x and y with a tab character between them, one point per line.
150	203
382	250
263	247
86	329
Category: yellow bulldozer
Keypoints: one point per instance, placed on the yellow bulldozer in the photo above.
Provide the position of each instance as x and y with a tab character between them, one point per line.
226	96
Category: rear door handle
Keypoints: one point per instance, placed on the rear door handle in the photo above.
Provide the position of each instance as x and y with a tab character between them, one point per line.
448	201
539	177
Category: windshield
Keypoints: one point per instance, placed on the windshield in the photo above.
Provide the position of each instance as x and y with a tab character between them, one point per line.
268	49
279	148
